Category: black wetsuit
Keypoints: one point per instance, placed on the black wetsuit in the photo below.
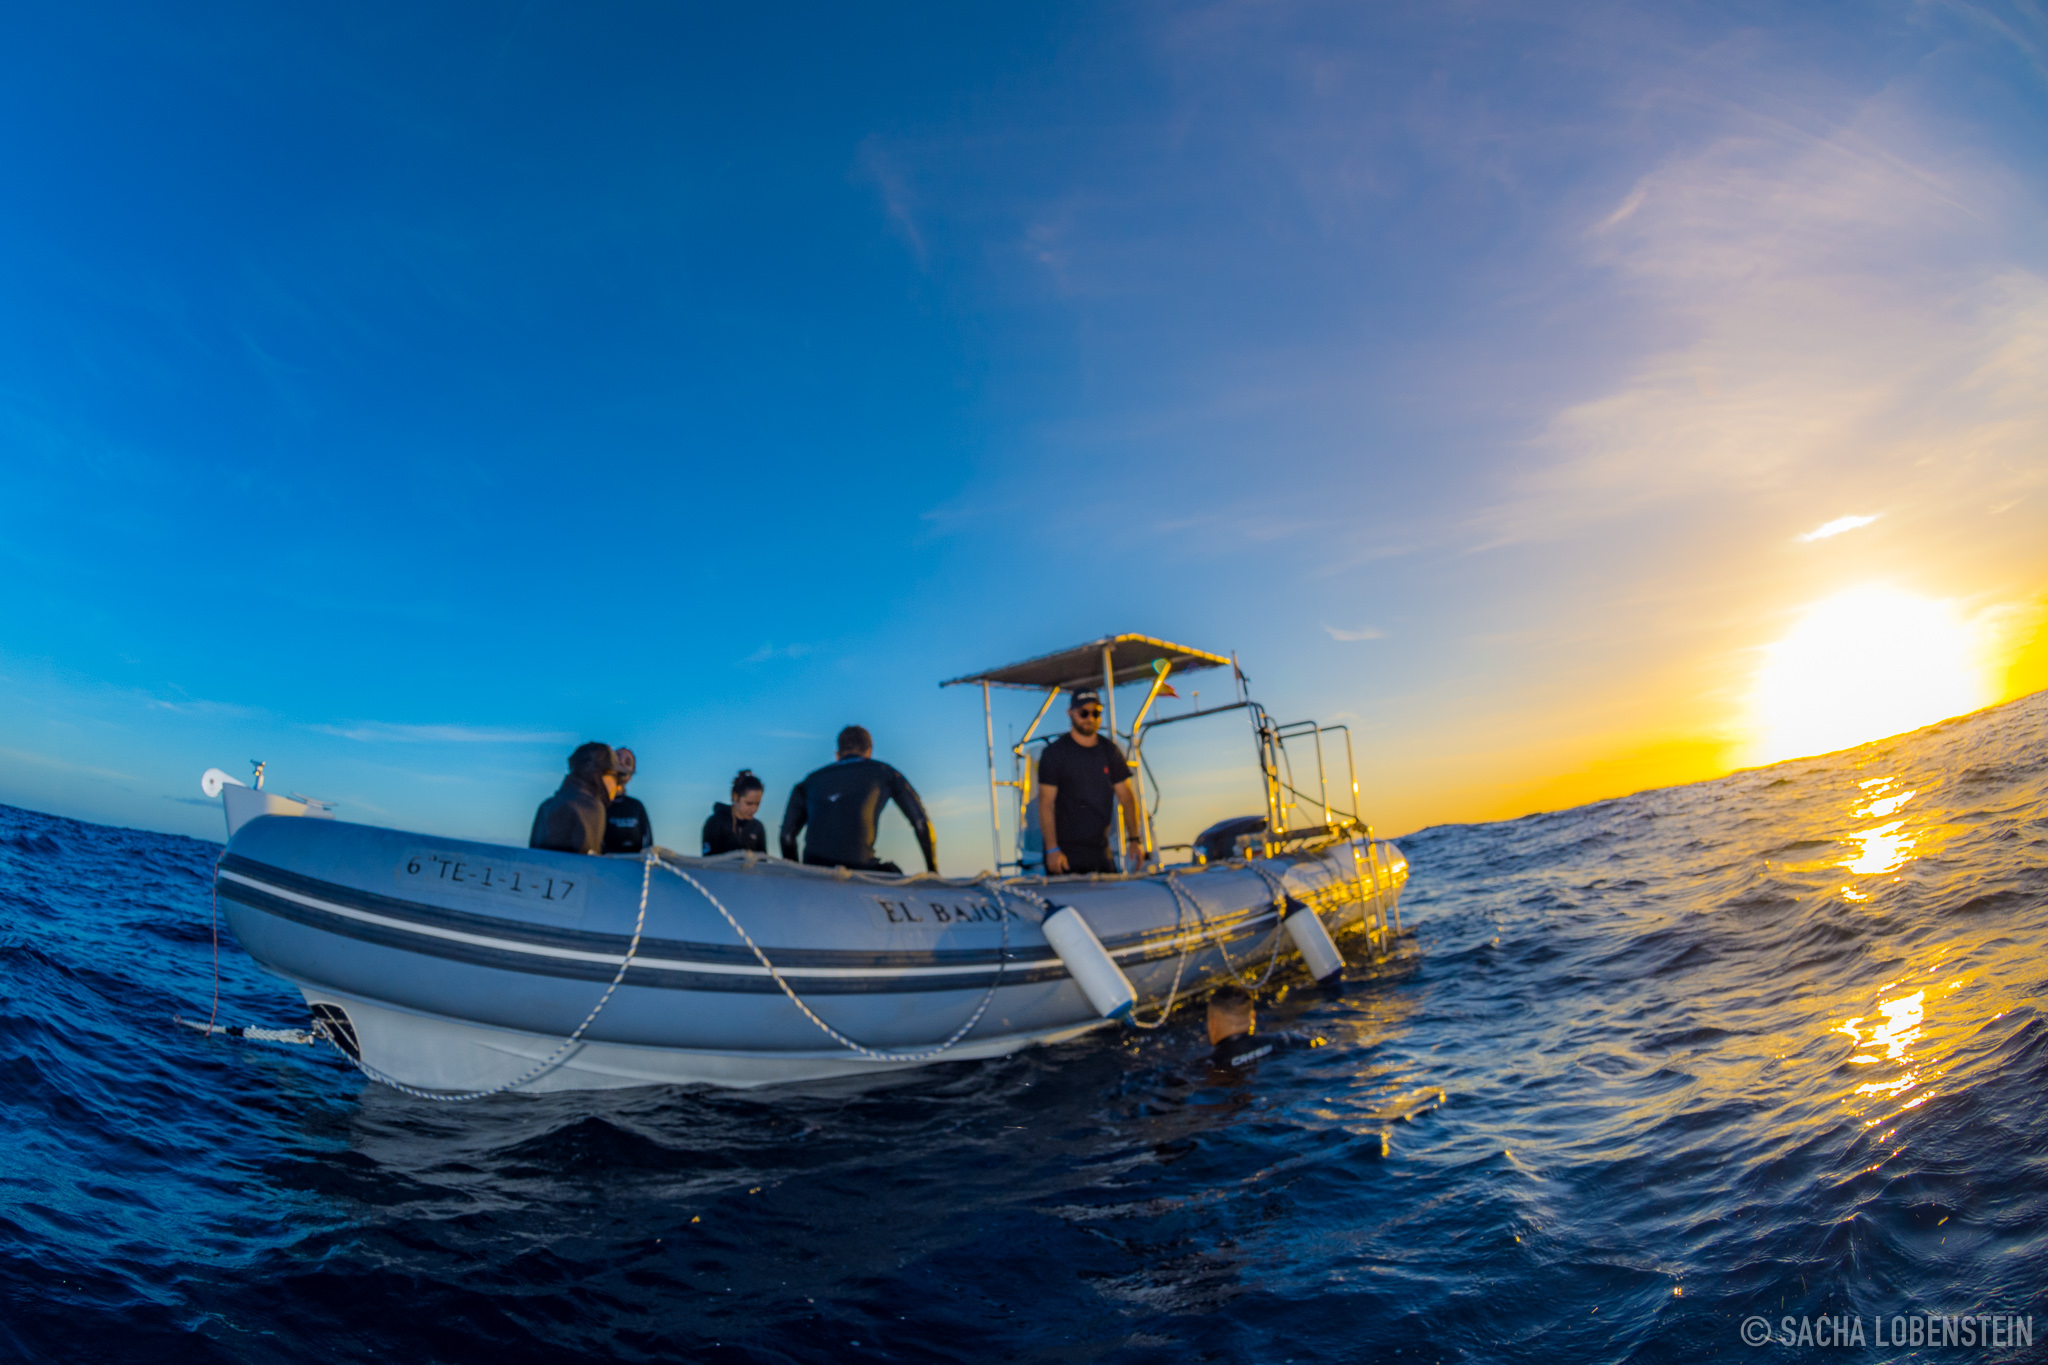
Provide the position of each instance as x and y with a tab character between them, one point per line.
572	820
840	803
626	827
1241	1050
724	834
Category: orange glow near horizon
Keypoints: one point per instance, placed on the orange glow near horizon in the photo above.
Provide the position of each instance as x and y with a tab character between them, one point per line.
1862	665
1850	668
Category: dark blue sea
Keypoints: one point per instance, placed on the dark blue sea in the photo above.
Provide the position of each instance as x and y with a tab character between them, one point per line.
1769	1046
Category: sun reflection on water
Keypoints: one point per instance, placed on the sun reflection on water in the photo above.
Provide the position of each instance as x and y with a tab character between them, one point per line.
1885	849
1877	810
1889	1041
1902	1019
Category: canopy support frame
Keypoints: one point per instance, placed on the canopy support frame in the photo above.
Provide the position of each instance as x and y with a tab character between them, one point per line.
995	810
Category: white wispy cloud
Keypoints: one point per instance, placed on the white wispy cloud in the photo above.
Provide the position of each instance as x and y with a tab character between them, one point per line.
1362	633
1854	318
893	185
1836	527
183	705
384	732
65	765
770	651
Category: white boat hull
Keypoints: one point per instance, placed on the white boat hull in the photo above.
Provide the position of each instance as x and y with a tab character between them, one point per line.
456	967
453	1055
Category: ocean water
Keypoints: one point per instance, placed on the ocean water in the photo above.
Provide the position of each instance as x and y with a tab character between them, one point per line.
1771	1045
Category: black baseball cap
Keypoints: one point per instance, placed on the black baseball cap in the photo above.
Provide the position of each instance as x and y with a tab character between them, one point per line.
1083	697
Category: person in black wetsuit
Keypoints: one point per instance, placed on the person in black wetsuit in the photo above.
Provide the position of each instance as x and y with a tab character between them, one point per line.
733	827
840	803
626	827
1082	778
572	820
1233	1032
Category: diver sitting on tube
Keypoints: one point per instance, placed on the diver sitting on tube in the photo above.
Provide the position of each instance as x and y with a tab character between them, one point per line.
572	820
626	826
732	827
840	803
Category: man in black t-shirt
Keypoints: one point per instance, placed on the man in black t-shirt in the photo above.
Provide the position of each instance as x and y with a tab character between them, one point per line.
626	827
1082	779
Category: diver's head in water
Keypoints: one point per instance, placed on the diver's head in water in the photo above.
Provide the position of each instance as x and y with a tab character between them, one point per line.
1230	1014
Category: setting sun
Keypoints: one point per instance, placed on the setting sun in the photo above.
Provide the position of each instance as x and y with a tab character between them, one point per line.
1859	666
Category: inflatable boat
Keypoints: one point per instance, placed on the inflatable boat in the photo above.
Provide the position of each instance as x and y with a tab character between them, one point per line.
456	969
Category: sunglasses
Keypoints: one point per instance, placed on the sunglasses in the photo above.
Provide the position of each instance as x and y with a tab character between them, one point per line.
1089	711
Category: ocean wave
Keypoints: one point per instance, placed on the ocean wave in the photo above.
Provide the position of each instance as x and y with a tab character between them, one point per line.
1652	1066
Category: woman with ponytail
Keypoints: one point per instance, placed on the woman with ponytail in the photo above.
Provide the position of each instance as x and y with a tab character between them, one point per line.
733	826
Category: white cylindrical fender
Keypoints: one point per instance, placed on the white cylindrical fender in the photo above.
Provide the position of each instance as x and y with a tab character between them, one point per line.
1089	963
1318	952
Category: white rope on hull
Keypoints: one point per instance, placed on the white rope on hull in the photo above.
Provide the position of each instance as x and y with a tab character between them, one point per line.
874	1054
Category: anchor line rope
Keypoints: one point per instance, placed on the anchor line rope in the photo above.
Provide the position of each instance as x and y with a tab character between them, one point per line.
1002	963
212	1024
296	1036
213	916
300	1037
561	1054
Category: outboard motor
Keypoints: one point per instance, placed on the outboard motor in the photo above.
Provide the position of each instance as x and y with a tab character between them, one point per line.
1218	843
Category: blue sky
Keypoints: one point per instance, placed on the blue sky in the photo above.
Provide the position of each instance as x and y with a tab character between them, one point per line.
401	395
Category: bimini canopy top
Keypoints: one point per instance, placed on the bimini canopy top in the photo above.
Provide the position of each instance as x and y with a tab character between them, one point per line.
1131	659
